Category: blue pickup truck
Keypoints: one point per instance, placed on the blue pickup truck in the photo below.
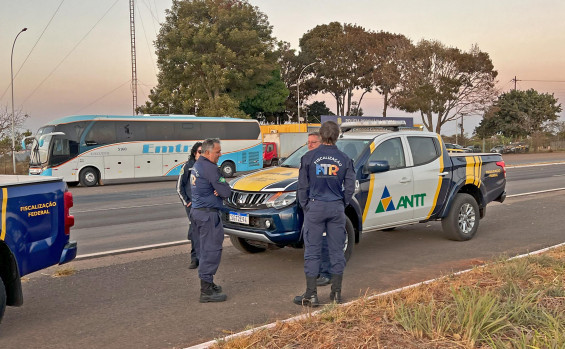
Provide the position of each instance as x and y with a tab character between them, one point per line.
35	231
403	177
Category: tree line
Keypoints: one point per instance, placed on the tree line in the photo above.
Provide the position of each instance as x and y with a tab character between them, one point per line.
219	58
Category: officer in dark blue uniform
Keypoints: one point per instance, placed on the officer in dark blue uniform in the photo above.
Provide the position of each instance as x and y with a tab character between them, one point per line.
208	189
326	182
184	191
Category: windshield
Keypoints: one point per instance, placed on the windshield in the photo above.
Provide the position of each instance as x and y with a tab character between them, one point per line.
351	147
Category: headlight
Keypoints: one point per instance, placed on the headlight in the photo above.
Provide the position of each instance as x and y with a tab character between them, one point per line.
281	199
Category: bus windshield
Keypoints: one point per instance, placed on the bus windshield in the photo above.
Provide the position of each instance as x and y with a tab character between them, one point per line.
351	147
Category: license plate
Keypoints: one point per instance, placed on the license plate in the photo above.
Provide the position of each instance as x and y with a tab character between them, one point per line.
239	217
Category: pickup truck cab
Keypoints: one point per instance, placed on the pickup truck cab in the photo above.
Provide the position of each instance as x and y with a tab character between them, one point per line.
402	177
35	231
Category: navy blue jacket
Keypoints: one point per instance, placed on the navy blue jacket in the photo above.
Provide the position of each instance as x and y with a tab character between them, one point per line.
326	174
183	185
204	179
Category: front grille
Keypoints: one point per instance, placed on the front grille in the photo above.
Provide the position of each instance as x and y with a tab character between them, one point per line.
246	200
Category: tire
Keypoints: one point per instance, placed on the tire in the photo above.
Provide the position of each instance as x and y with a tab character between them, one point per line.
89	177
244	246
349	239
227	169
2	299
275	162
462	221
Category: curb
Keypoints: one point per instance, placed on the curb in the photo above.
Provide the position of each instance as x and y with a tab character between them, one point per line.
303	316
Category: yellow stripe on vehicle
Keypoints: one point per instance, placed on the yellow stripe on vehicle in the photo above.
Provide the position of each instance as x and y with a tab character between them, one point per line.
470	170
440	180
4	205
369	196
259	180
372	147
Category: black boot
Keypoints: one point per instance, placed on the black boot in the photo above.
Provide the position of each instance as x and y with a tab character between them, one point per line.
310	297
335	293
193	264
208	294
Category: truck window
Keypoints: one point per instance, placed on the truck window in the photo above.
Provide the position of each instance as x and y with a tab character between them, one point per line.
423	149
390	150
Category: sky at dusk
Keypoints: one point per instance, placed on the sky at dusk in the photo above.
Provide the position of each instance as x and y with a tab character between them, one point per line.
75	56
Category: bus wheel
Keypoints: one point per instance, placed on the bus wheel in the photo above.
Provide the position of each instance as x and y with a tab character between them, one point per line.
227	169
88	177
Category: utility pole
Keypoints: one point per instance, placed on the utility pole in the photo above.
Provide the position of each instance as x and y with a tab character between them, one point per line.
133	59
515	81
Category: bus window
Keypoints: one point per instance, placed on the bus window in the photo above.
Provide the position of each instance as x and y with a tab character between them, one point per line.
129	131
160	131
73	131
102	132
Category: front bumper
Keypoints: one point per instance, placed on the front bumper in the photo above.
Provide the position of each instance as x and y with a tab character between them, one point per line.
69	252
284	225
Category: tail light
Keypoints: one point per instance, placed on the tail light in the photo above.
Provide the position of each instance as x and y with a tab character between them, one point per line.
69	220
501	164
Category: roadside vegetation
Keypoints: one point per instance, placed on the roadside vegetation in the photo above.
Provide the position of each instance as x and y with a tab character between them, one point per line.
517	303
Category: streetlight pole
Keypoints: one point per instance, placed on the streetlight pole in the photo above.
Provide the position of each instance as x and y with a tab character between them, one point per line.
13	114
298	90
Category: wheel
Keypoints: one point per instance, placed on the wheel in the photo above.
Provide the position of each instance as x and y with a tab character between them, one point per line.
462	222
275	162
244	246
227	169
2	299
88	177
349	239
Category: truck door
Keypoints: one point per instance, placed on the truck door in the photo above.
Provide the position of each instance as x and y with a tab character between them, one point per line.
428	173
387	191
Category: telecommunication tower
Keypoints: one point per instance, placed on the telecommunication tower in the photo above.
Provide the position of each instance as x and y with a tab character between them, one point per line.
133	59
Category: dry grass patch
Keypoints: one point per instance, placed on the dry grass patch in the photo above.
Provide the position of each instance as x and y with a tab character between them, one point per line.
67	271
517	303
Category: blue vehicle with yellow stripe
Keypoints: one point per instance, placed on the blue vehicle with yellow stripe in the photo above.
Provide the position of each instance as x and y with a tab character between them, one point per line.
402	177
35	231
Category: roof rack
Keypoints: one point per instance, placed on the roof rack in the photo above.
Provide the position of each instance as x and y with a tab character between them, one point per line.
393	125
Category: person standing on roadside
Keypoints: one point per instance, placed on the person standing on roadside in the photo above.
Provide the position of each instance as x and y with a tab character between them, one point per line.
324	276
326	181
209	189
183	189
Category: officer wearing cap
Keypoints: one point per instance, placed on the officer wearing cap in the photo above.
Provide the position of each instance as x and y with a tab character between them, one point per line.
208	190
326	182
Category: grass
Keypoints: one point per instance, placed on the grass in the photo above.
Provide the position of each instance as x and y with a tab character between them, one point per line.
517	303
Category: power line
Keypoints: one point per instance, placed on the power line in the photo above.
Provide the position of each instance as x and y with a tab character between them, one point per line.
29	54
101	97
68	54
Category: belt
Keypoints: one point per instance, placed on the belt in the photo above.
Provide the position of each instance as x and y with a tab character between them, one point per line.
207	209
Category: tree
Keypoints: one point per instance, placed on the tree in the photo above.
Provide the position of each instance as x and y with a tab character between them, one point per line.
343	61
316	110
390	53
445	83
212	55
270	98
519	114
6	129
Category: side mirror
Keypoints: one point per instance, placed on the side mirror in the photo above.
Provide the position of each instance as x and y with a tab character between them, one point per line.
376	167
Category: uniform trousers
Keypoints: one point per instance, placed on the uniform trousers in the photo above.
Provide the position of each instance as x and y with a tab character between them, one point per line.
320	217
194	243
209	231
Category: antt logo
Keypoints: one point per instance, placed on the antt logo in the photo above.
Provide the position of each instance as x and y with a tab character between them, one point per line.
326	169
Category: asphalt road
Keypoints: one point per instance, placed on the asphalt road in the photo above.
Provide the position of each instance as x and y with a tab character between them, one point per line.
123	216
149	299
